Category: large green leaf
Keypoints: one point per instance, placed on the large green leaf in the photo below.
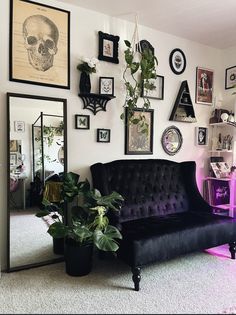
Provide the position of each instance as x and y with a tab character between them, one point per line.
58	230
111	201
106	240
81	233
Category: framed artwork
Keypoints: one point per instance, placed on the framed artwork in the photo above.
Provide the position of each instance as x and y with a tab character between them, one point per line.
177	61
230	77
220	169
106	85
13	159
158	92
171	140
19	126
108	47
144	44
82	122
204	86
201	134
137	142
103	135
13	145
220	192
39	44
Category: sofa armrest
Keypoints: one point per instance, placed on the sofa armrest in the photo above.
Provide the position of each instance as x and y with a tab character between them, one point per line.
196	201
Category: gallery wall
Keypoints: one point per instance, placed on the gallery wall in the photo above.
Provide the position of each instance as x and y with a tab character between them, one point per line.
83	150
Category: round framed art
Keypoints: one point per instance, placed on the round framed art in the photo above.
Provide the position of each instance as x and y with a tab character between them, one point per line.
177	61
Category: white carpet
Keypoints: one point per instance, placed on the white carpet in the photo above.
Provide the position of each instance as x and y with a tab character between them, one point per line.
196	283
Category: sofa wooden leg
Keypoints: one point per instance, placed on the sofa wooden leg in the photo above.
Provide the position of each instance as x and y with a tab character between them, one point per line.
232	249
136	277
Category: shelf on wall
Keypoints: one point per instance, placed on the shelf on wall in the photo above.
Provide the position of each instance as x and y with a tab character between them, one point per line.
227	123
95	102
183	110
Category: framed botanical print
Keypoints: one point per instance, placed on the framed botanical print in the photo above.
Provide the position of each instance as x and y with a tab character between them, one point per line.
39	44
158	92
204	86
106	86
108	47
136	141
103	135
230	77
82	121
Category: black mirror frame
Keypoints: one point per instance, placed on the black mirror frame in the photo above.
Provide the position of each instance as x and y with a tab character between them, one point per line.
179	136
64	101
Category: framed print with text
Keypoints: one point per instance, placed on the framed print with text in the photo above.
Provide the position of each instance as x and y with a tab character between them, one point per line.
204	86
39	44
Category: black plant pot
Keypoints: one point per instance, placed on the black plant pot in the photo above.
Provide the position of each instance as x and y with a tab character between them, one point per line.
78	259
58	246
84	84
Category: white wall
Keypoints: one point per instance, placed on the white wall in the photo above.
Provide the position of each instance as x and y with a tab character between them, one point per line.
83	150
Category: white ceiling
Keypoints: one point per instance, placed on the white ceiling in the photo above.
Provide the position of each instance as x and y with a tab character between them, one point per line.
210	22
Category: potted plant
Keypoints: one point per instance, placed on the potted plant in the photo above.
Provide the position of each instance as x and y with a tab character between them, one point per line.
139	70
87	67
88	225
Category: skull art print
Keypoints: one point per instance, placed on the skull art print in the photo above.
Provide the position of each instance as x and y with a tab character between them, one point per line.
40	39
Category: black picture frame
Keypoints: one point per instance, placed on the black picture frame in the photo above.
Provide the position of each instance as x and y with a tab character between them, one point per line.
201	134
82	122
171	140
103	135
26	64
144	44
106	86
158	93
137	142
177	61
108	47
230	77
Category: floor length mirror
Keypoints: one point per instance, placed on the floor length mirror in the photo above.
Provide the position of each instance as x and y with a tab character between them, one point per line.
37	160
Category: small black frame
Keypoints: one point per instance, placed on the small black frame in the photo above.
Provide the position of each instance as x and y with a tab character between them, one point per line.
106	86
158	92
177	61
82	122
230	77
108	47
103	135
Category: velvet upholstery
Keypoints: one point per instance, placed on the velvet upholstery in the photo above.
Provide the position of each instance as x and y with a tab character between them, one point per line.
163	214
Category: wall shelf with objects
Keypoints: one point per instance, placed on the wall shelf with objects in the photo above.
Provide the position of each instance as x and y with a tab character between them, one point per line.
95	102
183	108
220	194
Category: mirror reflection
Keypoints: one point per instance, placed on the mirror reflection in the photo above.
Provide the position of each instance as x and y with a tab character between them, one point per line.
171	140
36	163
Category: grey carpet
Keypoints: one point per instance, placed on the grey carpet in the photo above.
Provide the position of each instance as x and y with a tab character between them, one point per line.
196	283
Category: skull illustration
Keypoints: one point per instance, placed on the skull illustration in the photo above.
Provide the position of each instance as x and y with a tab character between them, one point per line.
178	61
106	86
41	37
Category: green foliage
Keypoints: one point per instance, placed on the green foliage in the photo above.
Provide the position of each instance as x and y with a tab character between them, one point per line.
140	73
89	223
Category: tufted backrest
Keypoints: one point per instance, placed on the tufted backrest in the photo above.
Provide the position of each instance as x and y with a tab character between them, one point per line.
150	187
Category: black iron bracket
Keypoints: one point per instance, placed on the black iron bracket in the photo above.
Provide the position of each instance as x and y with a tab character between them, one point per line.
95	102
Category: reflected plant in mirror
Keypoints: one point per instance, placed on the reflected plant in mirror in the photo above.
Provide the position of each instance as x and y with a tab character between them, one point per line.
35	168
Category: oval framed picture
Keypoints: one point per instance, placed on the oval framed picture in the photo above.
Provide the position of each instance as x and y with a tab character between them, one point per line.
177	61
171	140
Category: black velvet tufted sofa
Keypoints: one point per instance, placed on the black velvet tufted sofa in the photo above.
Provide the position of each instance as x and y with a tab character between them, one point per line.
163	215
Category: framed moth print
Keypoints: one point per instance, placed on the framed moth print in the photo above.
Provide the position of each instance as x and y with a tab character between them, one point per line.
103	135
204	86
106	86
82	121
136	141
201	134
230	77
108	47
39	44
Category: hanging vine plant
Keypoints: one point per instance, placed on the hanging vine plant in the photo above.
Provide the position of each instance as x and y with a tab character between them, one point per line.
140	68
